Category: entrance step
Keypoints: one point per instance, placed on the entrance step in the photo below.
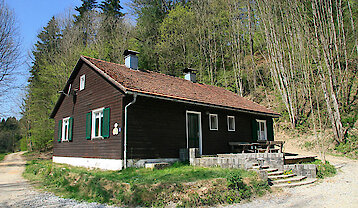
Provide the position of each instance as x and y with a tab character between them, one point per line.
270	170
274	173
281	176
296	159
260	167
299	183
289	180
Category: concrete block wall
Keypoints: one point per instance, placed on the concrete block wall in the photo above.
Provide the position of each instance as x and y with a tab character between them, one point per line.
308	170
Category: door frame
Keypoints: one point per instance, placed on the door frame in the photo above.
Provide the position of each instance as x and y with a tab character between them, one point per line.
200	131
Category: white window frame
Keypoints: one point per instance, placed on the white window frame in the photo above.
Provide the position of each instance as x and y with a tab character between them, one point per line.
65	133
228	123
82	82
217	122
98	111
259	130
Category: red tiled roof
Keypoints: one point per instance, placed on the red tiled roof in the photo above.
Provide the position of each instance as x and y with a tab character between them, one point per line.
162	85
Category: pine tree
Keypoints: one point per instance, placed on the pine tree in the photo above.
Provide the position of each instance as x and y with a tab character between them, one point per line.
87	5
111	8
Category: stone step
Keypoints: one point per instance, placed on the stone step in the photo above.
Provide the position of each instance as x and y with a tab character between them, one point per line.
289	180
262	167
275	173
270	170
281	176
299	183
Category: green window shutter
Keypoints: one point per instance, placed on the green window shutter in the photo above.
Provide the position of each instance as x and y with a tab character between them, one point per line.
59	131
105	124
88	125
254	130
70	129
270	136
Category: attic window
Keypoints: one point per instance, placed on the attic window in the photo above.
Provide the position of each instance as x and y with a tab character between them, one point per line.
82	82
213	121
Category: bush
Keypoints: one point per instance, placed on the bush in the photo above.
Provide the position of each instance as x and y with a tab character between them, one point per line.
349	147
324	169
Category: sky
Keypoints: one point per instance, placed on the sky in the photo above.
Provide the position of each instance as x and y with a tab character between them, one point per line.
32	16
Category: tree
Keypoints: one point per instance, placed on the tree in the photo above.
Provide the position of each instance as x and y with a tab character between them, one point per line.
87	5
9	47
112	8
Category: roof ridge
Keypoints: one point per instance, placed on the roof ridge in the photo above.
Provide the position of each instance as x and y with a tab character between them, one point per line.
151	71
103	60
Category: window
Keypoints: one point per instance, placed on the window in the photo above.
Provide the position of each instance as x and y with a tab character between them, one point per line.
65	129
261	130
97	123
213	121
231	123
82	82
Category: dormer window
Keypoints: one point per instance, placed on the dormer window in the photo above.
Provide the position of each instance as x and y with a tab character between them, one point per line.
82	82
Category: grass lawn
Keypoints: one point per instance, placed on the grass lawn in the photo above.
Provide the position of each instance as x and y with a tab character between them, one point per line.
2	156
180	184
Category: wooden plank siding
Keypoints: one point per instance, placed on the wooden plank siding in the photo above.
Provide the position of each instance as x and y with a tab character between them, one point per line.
97	93
157	128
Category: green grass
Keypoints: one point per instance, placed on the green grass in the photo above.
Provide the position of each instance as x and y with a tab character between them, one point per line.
2	156
181	184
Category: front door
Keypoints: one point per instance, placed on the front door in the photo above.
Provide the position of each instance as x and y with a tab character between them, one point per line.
193	129
262	132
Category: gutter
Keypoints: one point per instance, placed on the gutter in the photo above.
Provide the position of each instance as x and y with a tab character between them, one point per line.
126	129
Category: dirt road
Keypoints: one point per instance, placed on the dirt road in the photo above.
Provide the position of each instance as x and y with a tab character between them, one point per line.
16	192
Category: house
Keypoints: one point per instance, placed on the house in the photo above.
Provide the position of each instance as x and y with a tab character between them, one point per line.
112	116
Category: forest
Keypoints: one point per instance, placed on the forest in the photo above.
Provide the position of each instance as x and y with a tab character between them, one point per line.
299	58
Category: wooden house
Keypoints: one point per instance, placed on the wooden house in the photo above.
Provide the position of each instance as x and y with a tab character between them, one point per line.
112	116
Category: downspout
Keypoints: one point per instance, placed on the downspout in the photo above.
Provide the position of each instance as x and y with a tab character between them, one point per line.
125	130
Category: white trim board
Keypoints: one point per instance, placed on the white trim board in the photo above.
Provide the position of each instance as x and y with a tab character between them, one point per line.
105	164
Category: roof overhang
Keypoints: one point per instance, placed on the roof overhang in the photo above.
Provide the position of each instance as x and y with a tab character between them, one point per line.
187	101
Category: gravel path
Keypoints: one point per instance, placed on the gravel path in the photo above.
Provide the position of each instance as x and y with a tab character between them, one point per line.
339	191
16	192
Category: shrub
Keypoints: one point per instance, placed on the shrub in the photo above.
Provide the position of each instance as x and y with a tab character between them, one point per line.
324	169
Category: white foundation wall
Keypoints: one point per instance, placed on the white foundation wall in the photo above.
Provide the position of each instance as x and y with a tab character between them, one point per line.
139	163
105	164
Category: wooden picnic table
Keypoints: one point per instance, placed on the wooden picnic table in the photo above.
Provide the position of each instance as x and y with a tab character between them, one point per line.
257	146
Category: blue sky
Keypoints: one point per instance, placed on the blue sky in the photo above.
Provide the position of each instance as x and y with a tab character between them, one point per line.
32	16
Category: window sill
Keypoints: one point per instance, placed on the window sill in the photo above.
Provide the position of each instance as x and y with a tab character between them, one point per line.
230	130
214	129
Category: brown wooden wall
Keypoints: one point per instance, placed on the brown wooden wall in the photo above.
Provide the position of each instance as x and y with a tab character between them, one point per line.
157	128
97	93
